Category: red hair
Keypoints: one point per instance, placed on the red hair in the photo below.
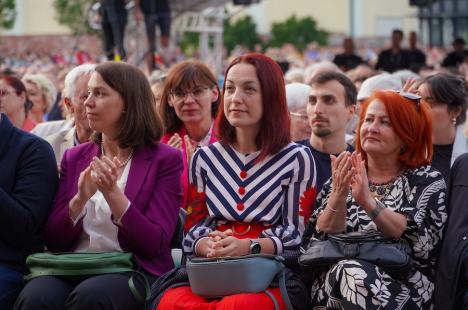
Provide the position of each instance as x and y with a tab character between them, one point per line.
275	123
410	121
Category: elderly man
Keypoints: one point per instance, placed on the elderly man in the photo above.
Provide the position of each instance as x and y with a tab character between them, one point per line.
75	94
332	101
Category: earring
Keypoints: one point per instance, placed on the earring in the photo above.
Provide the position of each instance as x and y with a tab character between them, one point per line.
402	149
454	121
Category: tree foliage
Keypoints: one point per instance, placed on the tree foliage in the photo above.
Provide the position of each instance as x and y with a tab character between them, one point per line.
7	13
241	32
72	13
299	32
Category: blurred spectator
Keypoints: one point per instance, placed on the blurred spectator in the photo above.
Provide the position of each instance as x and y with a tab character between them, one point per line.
156	12
457	56
157	79
416	57
42	93
113	21
297	97
316	68
294	75
395	57
348	59
15	104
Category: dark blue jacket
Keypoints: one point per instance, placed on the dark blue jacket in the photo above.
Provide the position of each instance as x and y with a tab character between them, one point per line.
28	182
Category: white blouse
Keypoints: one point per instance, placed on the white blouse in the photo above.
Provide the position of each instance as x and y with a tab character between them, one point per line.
99	231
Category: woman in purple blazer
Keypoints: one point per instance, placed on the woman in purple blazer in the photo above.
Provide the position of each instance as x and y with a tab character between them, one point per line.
121	192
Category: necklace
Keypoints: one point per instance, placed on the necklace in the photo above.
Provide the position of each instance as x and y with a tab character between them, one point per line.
381	190
125	161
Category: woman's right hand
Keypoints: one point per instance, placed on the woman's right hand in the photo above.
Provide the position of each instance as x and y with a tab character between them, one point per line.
86	189
342	172
175	141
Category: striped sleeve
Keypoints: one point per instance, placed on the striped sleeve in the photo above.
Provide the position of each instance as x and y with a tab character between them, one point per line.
299	197
197	183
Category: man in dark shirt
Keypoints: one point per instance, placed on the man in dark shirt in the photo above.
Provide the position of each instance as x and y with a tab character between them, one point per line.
457	56
394	58
348	59
332	102
416	57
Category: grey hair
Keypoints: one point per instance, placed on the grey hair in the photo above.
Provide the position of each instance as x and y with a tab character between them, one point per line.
294	75
313	69
297	95
46	86
73	75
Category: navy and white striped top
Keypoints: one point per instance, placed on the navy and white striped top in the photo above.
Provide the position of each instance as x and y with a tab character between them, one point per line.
239	190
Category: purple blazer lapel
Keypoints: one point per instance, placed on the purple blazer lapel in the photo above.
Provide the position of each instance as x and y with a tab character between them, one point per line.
138	170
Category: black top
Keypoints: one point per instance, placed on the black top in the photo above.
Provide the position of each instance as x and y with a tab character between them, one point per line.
347	62
450	278
453	59
442	158
416	60
391	62
322	163
28	182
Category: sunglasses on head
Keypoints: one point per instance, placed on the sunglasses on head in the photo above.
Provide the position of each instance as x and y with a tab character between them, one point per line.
413	97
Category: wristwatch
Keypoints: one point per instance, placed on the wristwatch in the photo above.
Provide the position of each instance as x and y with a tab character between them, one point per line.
255	247
378	208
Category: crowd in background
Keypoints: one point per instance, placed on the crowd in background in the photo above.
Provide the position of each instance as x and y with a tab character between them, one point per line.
378	136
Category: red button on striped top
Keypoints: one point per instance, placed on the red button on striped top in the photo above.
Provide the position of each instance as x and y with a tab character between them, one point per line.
240	206
241	190
243	174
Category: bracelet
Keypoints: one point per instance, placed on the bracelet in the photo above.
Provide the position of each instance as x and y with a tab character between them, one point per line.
376	211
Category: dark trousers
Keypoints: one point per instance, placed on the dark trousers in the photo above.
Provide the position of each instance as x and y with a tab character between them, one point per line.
11	282
113	28
109	291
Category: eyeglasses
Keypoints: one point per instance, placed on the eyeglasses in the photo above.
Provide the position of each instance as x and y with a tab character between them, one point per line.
197	92
302	116
4	92
413	97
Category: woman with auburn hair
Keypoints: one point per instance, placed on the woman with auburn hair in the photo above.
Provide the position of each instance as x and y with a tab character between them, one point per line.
260	194
387	186
188	106
14	103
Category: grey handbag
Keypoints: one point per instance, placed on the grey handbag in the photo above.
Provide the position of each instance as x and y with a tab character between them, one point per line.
224	276
393	256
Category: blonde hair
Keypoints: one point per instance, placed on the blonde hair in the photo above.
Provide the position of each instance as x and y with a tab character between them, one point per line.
47	87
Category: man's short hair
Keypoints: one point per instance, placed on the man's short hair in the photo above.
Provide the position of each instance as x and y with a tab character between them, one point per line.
348	85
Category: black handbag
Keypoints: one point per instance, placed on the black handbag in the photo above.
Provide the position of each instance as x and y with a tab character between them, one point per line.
393	256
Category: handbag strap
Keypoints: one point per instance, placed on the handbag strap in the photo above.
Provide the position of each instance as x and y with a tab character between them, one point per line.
284	292
134	290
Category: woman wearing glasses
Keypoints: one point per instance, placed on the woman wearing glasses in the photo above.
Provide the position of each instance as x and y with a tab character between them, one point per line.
387	186
15	104
255	188
188	106
447	95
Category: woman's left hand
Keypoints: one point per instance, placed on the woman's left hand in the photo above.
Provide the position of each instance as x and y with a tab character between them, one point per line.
104	172
359	181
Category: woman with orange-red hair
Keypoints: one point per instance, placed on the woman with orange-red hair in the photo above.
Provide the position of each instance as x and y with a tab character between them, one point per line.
387	186
254	189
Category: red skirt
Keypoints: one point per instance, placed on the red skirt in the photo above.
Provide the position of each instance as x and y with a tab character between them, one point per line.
182	298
